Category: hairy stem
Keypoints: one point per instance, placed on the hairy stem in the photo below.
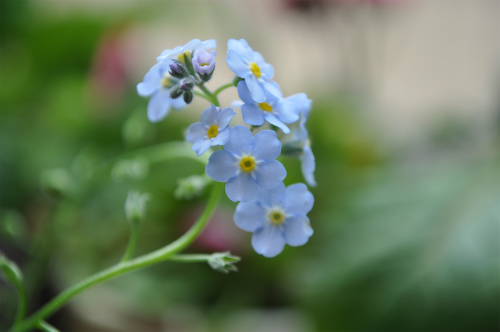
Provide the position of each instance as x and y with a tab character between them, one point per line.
132	242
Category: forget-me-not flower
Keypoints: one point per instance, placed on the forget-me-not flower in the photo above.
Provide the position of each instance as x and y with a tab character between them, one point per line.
299	137
247	163
276	217
188	49
212	130
250	65
156	84
274	109
204	63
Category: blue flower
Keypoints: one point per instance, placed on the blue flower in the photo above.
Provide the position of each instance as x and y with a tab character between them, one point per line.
178	52
157	84
203	62
247	164
276	217
275	109
299	137
212	130
250	65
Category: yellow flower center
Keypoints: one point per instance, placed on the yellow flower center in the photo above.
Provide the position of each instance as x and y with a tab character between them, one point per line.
265	107
255	69
276	217
180	57
204	64
166	81
213	131
247	163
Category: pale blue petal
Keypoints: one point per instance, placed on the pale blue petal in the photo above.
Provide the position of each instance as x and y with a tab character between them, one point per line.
208	44
240	140
244	93
222	165
268	241
221	138
266	145
272	197
239	46
242	188
298	200
201	145
273	88
266	70
158	106
196	131
252	115
191	45
249	216
209	115
269	174
225	117
287	111
272	119
256	89
151	82
169	54
308	166
297	230
237	64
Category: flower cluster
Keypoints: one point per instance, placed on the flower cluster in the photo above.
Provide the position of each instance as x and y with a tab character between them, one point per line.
247	162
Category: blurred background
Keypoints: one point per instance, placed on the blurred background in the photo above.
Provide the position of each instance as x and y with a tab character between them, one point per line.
405	129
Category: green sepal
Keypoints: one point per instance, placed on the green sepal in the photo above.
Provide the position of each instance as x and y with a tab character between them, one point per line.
189	63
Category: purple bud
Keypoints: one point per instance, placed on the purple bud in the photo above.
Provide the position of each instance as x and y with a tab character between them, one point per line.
186	86
203	62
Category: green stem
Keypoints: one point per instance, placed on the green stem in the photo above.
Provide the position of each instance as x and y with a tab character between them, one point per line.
213	98
21	305
159	255
222	88
132	242
190	258
46	327
202	95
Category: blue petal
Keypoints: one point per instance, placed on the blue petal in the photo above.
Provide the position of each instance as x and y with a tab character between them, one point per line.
273	88
209	115
225	117
249	216
266	145
208	44
151	82
242	187
252	115
196	131
268	241
266	70
269	174
221	138
244	93
298	200
297	230
221	166
256	89
240	140
237	64
308	166
169	54
158	106
239	46
272	197
272	119
287	111
201	145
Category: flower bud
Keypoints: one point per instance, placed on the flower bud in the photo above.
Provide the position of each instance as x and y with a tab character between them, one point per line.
204	64
178	70
188	96
130	169
175	92
191	186
135	206
186	85
223	262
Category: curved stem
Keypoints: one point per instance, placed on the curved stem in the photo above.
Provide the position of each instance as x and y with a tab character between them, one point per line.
213	98
21	305
222	88
132	242
159	255
202	95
